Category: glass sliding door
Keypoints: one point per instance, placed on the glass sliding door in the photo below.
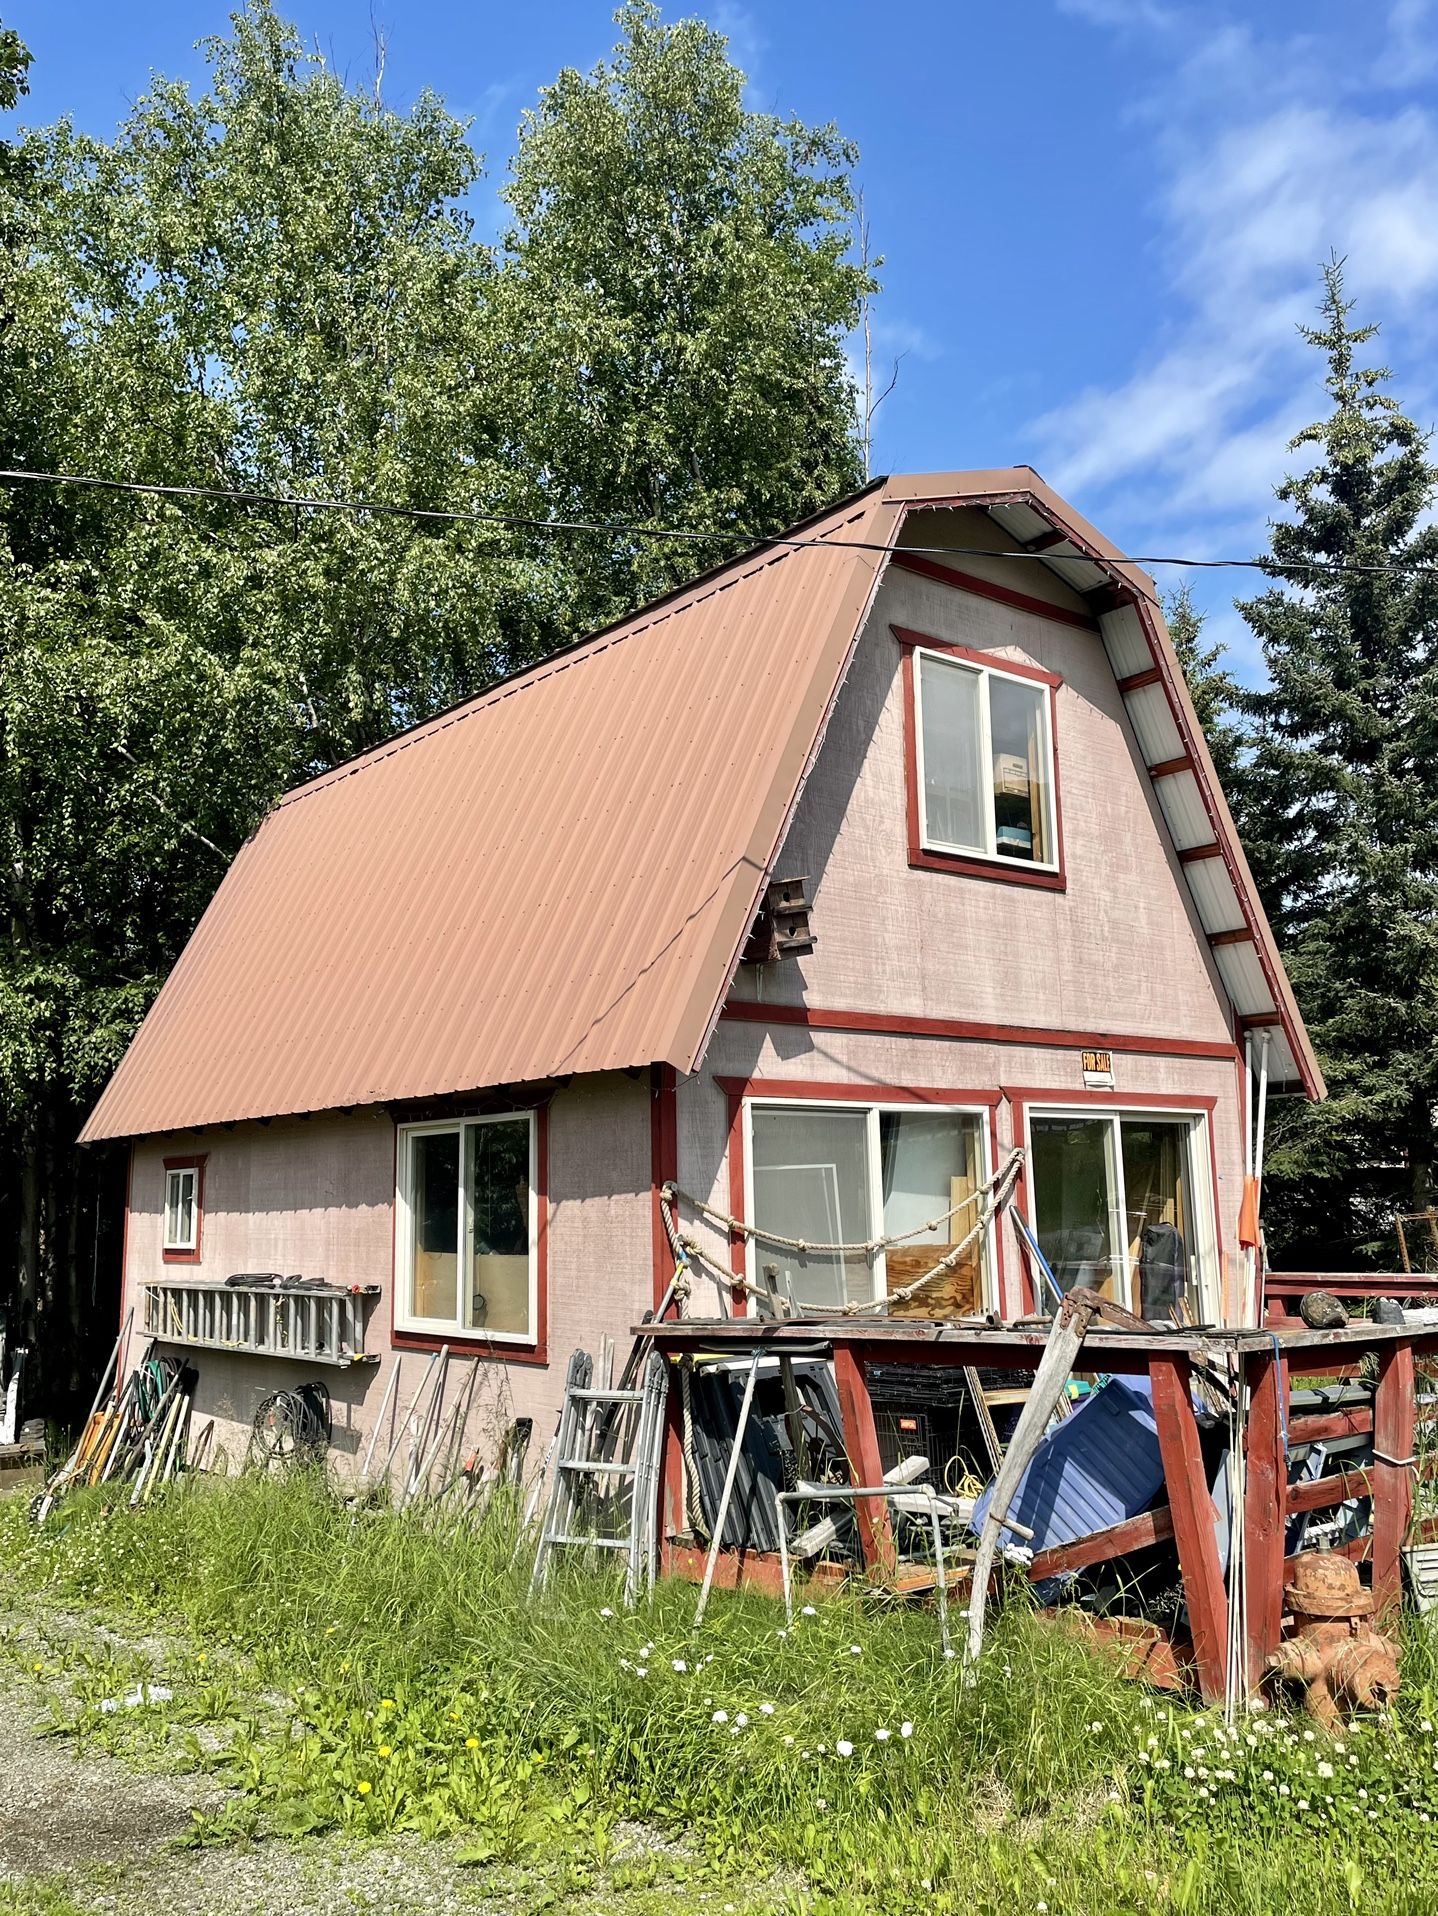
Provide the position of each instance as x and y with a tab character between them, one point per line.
930	1165
1114	1207
812	1183
1076	1202
850	1173
1158	1213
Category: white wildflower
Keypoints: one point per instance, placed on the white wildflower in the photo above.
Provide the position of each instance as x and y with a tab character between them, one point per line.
606	1611
766	1709
808	1611
881	1736
843	1747
906	1729
679	1665
741	1720
720	1716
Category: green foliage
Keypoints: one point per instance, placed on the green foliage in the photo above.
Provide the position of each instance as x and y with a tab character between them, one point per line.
273	285
844	1756
1211	685
674	296
1340	806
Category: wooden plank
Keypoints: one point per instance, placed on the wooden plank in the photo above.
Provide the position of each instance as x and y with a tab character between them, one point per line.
1264	1515
861	1443
1314	1427
1324	1492
1193	1521
1392	1475
1135	1533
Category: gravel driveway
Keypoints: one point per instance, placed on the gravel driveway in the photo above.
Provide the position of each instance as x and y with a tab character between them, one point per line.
82	1830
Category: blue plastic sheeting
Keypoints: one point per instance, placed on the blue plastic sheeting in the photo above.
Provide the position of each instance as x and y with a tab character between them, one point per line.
1093	1470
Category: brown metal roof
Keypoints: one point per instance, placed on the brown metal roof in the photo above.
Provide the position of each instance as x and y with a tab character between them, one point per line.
557	876
554	877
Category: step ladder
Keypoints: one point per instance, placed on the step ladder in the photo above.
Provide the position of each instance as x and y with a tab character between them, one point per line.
605	1491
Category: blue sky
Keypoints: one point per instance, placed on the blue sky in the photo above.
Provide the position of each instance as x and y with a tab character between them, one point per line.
1102	219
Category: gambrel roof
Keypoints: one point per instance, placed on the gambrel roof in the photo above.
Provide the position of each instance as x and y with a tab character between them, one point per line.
559	875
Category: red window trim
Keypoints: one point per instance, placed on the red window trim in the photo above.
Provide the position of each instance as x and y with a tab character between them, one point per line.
923	857
532	1351
737	1090
971	655
195	1163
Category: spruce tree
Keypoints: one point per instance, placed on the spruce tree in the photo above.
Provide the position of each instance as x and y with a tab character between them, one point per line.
1341	806
1214	690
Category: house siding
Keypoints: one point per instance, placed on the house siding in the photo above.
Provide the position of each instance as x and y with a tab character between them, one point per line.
317	1198
1118	950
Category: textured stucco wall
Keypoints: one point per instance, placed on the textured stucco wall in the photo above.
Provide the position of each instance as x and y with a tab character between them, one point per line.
317	1198
1119	950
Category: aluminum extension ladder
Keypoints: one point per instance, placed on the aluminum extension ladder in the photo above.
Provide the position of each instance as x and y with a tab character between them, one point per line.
606	1465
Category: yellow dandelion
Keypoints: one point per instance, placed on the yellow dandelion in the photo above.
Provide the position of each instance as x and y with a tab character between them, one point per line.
385	1750
471	1742
386	1703
343	1668
365	1788
39	1668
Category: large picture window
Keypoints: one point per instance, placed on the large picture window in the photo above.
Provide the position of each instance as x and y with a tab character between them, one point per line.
986	762
468	1228
841	1173
1121	1204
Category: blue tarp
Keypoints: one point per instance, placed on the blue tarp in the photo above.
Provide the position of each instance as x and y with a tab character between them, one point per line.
1094	1469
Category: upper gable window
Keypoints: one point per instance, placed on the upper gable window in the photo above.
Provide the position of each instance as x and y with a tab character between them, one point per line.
986	762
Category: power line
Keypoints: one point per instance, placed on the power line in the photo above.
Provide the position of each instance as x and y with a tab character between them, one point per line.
520	522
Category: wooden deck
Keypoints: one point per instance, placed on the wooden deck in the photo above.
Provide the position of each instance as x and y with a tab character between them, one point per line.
1270	1360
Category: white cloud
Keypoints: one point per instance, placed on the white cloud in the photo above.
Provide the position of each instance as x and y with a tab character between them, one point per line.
1270	154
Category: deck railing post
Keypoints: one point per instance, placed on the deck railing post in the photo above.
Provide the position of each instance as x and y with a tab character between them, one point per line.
1393	1419
1264	1510
861	1441
1193	1519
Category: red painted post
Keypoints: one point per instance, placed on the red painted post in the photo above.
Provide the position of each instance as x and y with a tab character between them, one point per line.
1392	1481
1193	1523
861	1441
1264	1512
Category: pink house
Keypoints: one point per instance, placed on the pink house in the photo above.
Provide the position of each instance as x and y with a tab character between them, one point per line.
815	889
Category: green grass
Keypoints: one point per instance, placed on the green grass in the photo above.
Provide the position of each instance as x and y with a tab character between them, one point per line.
418	1687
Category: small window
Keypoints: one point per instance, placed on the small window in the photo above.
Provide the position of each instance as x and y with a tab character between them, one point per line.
468	1224
182	1209
985	762
822	1174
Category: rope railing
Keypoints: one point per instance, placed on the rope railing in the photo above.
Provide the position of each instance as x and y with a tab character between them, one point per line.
989	1198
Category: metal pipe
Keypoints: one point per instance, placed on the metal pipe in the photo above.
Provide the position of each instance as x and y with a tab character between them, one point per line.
413	1402
379	1419
733	1471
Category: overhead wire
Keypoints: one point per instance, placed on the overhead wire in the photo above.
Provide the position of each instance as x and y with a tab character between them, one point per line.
633	529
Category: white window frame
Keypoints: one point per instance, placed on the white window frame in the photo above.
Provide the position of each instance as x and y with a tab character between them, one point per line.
1203	1252
404	1317
173	1179
754	1250
989	849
